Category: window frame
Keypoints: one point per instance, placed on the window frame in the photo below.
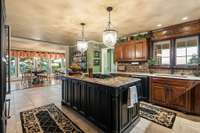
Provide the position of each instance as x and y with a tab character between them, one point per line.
170	48
175	55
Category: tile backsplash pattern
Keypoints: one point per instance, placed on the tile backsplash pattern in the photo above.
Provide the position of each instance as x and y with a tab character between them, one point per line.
143	68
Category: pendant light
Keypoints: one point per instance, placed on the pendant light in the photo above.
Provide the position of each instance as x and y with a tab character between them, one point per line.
82	44
109	34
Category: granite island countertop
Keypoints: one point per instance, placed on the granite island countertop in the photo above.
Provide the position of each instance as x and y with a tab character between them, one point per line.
116	81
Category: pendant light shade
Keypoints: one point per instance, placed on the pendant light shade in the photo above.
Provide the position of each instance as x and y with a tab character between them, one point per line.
82	45
109	35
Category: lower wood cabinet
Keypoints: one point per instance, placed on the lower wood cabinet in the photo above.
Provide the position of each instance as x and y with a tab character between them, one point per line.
172	93
159	94
178	97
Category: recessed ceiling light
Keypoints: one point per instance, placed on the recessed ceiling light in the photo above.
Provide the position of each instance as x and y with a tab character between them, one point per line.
159	25
185	18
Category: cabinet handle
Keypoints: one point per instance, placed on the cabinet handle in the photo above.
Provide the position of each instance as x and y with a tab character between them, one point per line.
7	109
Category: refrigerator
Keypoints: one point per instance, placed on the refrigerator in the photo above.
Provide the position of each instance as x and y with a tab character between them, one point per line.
4	71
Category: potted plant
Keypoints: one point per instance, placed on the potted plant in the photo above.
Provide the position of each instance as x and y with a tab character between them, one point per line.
195	60
151	62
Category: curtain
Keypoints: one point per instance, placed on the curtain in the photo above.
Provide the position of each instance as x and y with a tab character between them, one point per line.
31	54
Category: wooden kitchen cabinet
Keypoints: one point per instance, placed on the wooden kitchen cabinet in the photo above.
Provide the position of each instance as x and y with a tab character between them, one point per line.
128	51
172	93
196	99
178	97
118	52
131	51
140	50
159	94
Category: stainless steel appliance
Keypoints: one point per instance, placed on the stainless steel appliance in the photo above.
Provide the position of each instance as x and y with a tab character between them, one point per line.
4	71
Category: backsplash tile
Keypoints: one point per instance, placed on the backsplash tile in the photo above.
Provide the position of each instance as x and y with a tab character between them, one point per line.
143	68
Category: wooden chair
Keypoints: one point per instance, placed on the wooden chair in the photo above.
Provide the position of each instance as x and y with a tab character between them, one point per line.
27	79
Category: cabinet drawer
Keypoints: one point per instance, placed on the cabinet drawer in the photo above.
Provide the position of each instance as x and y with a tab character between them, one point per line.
171	81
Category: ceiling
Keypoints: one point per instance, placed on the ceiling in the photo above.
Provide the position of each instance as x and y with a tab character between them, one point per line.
58	20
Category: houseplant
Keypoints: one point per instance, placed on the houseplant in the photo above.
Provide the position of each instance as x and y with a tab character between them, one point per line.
151	62
195	60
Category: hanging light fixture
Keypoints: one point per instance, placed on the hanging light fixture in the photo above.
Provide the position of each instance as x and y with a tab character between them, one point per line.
82	44
109	34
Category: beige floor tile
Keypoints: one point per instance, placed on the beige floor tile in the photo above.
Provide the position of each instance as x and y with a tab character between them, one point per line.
11	125
31	98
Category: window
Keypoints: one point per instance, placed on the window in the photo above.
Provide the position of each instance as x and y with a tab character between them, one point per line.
161	52
185	48
26	64
56	65
43	64
13	66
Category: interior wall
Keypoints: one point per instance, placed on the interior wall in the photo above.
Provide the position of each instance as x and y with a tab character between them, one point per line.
33	45
92	46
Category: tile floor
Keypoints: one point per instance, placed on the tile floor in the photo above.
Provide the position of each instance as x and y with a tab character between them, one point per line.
30	98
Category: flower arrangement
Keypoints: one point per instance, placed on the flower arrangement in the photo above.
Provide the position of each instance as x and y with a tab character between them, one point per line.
75	67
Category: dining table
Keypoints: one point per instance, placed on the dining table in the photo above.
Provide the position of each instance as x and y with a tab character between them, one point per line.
36	74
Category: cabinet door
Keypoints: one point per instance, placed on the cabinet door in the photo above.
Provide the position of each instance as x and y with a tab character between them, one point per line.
83	94
129	51
178	97
140	50
159	93
118	52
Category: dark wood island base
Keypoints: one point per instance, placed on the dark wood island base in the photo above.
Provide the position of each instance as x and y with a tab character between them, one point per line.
102	103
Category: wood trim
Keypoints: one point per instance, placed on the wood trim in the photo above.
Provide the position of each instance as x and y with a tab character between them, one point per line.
179	30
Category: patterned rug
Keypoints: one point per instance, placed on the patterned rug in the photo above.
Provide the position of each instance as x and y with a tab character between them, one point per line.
157	115
47	119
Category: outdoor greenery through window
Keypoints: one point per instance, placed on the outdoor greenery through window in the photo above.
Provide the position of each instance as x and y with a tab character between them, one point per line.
50	66
13	66
185	48
56	65
26	64
43	64
161	52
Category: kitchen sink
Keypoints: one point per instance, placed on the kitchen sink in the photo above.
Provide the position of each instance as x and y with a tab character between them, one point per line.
172	75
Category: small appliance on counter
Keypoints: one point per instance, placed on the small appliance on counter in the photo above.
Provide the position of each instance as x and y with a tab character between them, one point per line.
121	68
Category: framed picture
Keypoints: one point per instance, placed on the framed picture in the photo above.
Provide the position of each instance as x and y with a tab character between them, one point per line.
96	54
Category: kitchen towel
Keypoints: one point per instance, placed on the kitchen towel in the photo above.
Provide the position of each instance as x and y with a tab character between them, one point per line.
132	96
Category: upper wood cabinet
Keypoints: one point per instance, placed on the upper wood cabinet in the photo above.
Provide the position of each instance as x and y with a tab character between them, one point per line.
131	51
118	52
141	50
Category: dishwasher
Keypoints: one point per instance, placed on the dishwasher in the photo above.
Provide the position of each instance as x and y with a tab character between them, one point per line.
143	89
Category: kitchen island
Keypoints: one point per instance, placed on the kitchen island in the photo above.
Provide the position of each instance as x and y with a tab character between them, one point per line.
102	101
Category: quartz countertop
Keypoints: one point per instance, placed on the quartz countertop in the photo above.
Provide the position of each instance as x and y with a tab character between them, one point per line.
116	81
176	76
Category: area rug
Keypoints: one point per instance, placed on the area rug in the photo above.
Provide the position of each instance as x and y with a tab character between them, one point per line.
157	114
47	119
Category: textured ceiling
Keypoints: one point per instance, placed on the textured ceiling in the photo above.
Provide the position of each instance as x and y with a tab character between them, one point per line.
58	20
